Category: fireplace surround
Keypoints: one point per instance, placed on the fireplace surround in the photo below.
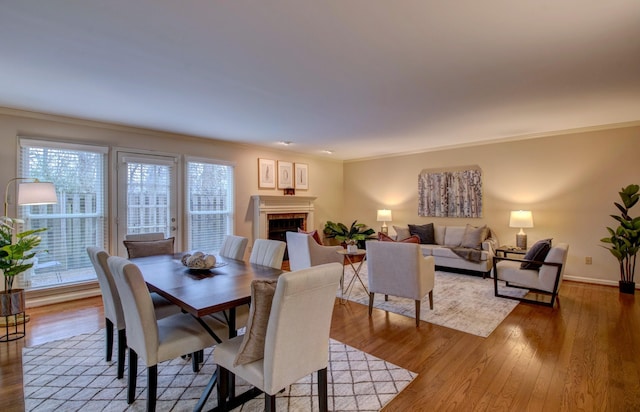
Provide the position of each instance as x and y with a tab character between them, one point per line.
282	213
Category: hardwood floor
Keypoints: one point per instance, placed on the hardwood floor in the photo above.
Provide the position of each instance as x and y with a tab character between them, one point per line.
582	355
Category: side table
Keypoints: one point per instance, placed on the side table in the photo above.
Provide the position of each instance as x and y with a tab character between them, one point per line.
505	250
356	272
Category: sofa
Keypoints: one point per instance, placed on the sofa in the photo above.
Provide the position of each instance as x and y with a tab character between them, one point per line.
466	249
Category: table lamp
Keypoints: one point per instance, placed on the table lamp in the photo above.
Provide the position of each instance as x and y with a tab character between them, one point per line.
521	219
384	216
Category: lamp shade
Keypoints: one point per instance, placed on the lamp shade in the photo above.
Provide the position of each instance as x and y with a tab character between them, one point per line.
521	218
384	215
37	193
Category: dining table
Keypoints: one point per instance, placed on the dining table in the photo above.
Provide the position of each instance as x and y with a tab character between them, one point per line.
204	292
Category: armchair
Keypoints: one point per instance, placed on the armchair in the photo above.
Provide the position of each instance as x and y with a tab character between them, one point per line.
399	269
305	252
545	280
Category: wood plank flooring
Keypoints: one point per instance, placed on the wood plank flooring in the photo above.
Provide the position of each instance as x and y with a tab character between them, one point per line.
582	355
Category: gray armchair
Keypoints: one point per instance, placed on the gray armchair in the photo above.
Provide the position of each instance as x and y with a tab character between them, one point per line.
399	269
544	280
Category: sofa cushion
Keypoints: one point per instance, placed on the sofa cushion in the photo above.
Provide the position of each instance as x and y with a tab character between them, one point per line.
438	232
402	232
385	238
537	252
424	232
474	236
453	235
446	252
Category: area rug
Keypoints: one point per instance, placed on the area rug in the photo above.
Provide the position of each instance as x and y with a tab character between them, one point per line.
72	375
462	302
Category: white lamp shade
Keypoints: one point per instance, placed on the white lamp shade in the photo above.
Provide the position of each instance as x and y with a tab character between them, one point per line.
521	218
37	193
384	215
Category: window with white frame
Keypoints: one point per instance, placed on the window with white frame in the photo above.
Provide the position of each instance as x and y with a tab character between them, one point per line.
209	198
78	219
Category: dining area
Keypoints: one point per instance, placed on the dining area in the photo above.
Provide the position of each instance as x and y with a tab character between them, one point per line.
267	326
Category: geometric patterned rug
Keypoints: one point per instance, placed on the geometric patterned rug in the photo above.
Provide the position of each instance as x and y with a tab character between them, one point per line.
462	302
72	375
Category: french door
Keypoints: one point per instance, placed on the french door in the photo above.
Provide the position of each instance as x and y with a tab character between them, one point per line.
146	196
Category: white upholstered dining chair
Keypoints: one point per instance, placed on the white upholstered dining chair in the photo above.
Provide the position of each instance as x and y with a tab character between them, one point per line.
155	340
295	337
305	252
400	269
234	247
113	314
267	252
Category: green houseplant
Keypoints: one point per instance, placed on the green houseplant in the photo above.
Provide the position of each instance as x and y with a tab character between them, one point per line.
624	241
16	256
357	232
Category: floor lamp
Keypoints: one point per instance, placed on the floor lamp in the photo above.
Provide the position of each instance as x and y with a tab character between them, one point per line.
34	192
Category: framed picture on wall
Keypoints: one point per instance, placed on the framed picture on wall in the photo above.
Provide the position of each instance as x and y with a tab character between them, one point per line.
301	176
266	174
285	175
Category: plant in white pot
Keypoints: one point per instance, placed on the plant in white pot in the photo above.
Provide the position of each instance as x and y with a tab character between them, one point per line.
624	241
16	256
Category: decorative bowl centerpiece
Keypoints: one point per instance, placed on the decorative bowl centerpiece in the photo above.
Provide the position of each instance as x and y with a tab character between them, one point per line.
199	261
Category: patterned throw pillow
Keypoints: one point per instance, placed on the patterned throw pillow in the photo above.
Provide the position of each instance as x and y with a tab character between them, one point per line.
538	252
314	234
401	232
411	239
424	232
474	236
252	346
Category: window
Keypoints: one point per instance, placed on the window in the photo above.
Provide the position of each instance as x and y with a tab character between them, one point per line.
78	219
209	204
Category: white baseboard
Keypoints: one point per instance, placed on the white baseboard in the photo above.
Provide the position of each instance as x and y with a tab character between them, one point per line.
594	281
61	294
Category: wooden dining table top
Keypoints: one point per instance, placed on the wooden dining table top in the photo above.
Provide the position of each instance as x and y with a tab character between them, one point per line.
202	293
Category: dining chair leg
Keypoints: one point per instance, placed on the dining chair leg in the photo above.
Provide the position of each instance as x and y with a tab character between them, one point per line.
195	365
152	387
417	312
223	388
122	350
269	403
133	373
323	395
431	299
108	330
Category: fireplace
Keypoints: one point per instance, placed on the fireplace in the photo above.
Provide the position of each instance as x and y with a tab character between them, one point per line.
273	216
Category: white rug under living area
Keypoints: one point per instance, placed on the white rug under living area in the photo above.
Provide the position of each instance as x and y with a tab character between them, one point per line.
462	302
72	375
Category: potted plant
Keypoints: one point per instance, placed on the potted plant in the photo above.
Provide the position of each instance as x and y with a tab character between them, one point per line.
624	241
357	232
16	256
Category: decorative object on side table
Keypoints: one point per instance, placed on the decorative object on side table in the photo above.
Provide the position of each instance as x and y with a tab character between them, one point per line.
357	231
384	216
521	219
624	241
16	256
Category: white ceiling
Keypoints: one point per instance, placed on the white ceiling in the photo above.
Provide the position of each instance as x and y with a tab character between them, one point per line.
360	77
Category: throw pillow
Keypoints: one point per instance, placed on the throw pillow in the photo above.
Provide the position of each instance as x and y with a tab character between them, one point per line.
314	234
401	232
453	235
252	345
424	232
411	239
142	248
537	252
474	236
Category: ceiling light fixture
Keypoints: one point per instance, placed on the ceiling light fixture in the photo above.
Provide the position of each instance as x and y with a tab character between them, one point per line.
327	151
285	142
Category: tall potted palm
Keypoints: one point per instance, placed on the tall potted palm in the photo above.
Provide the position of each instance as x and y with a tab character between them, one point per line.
16	256
624	241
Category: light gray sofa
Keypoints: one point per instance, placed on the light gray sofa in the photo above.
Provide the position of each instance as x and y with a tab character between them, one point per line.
447	243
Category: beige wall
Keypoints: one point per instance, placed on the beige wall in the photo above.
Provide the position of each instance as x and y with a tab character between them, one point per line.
569	182
325	176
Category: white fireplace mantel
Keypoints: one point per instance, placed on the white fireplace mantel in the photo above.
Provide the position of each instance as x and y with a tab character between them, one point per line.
266	205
